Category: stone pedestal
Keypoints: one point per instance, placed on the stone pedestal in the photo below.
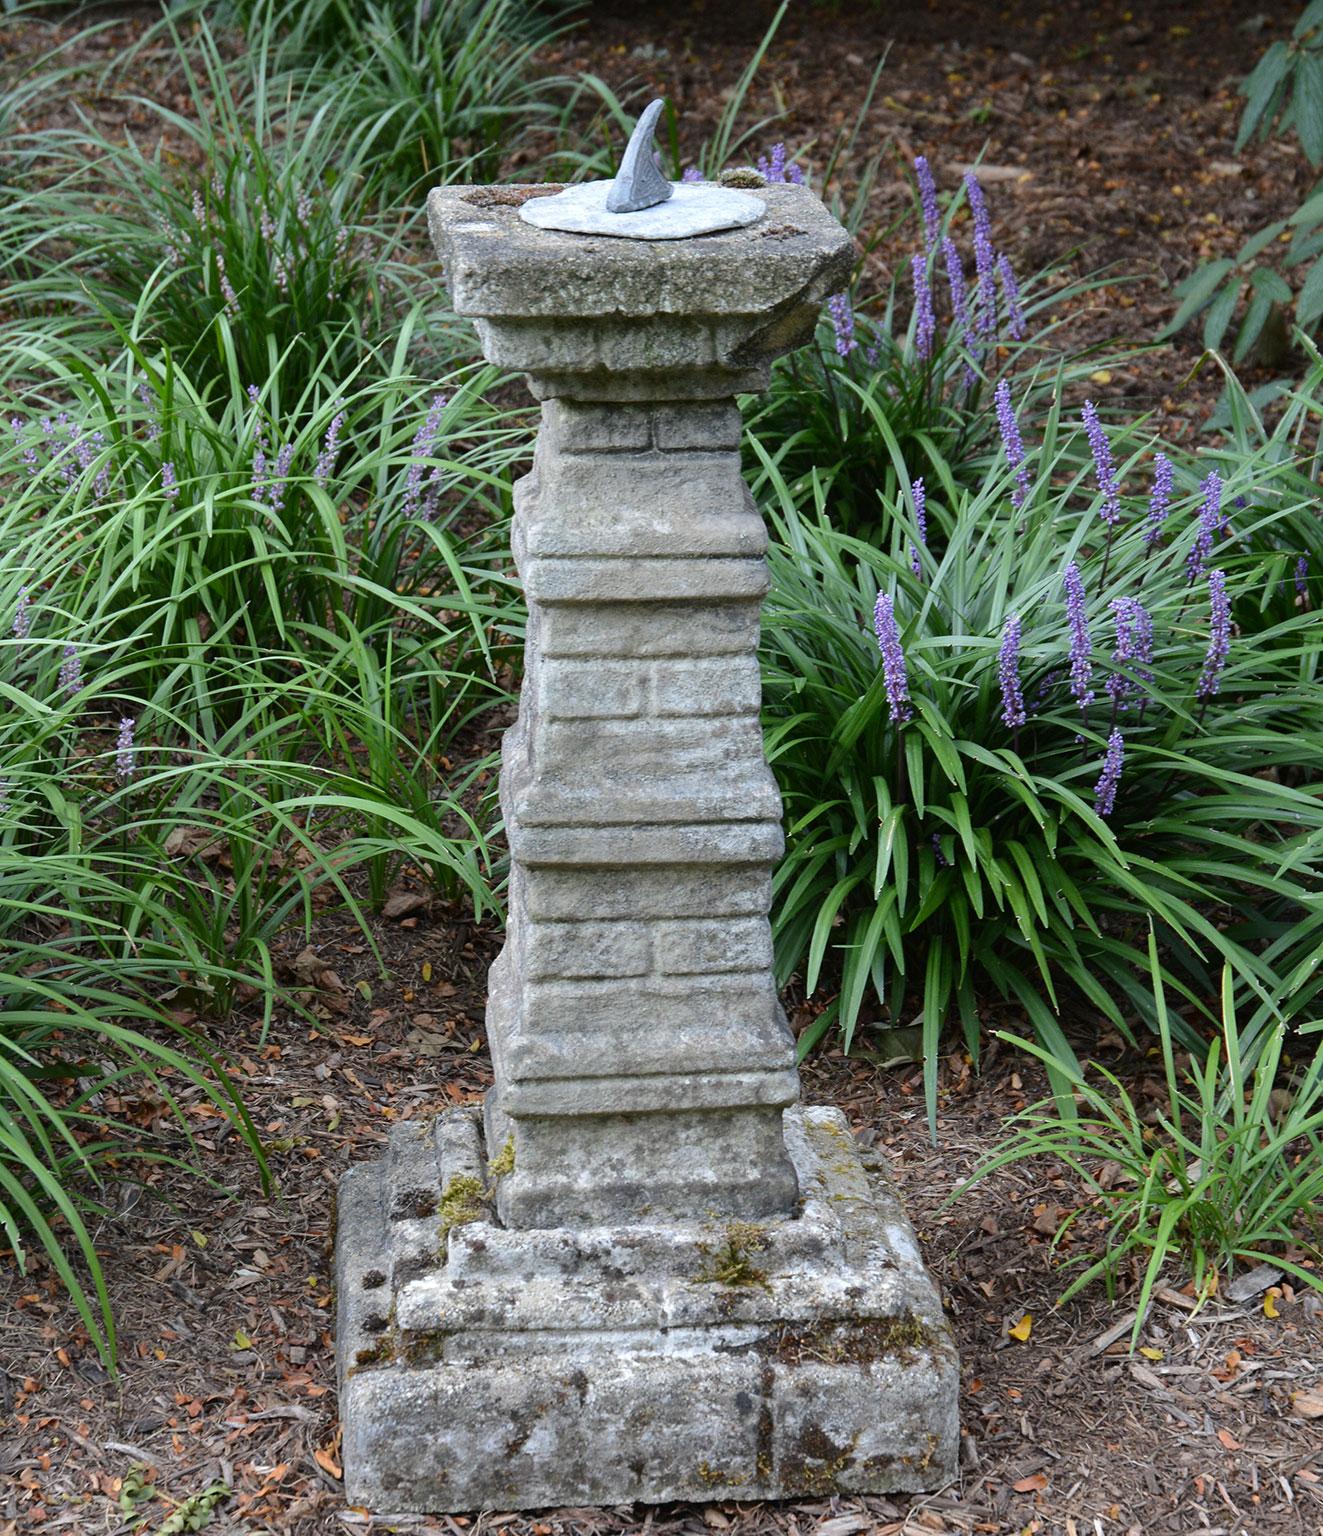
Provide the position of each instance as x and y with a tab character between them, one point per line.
645	1275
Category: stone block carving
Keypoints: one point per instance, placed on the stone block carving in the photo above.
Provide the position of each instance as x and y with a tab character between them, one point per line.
648	1275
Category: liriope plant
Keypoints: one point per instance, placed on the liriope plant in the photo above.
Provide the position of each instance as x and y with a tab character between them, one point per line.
1034	716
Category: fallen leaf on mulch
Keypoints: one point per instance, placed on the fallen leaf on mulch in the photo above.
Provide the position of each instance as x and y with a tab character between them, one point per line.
1022	1329
1229	1441
1034	1484
311	968
190	840
327	1462
399	903
1309	1405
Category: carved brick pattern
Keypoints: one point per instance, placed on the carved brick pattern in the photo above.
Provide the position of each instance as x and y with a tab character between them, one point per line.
642	560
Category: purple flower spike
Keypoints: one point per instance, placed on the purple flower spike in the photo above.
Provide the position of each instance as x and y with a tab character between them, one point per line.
776	167
169	485
932	219
1081	642
1008	675
259	473
985	257
1104	792
1219	636
1210	520
424	445
920	496
1159	501
1134	648
1010	292
925	324
22	624
280	477
26	451
955	282
124	764
227	288
149	405
1103	468
842	320
1013	443
893	660
330	450
1302	577
71	670
691	174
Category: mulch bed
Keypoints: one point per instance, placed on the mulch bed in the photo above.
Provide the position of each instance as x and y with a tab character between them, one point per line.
1111	132
225	1311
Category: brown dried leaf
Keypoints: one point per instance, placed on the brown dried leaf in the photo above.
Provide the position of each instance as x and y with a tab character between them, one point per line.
399	902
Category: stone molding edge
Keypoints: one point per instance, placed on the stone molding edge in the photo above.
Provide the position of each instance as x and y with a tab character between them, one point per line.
837	1373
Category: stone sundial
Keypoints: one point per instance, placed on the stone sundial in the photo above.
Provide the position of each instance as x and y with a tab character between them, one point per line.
640	204
642	1270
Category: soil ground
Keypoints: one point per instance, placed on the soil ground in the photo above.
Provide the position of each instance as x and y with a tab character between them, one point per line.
1106	130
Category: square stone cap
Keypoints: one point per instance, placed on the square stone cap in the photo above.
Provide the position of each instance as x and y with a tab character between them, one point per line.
497	266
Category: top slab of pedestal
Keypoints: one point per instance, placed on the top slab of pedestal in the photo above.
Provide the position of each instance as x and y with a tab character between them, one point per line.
496	265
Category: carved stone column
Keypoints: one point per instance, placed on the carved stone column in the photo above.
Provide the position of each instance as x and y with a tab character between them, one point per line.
650	1278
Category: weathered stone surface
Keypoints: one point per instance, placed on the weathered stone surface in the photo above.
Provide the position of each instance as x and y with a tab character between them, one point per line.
585	209
652	1361
647	1278
497	267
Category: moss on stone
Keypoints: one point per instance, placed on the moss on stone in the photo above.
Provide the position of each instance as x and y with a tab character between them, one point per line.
900	1338
462	1202
716	1477
422	1346
380	1353
732	1263
504	1161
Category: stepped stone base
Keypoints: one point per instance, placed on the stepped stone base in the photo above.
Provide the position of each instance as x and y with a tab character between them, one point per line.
485	1367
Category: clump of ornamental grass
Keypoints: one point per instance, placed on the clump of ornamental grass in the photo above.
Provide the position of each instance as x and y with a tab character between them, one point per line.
435	90
245	635
165	839
242	241
244	511
1023	724
896	385
1226	1172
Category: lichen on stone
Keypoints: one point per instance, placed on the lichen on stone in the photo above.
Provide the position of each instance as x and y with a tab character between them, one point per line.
718	1477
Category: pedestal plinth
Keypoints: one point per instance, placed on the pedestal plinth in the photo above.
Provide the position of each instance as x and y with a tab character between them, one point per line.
645	1275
